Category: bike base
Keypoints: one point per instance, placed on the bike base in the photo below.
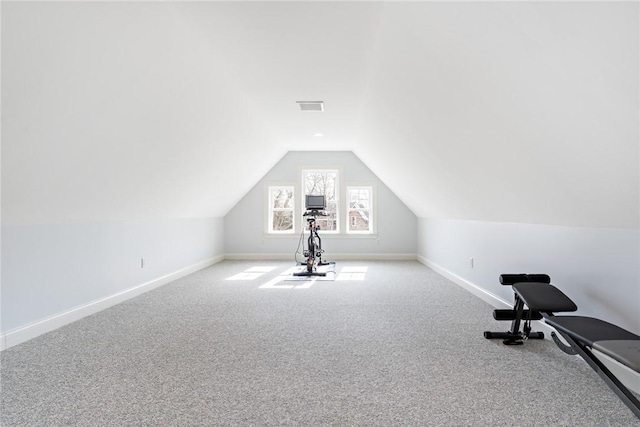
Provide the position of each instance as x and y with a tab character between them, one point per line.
310	273
307	273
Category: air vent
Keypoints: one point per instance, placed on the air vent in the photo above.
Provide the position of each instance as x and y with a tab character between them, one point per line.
311	105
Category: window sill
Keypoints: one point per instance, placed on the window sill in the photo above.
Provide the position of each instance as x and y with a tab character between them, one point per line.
322	235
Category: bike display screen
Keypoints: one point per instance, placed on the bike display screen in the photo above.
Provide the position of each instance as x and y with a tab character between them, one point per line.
315	202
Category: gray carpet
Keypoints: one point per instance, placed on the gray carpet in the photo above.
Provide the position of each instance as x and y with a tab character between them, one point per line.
391	344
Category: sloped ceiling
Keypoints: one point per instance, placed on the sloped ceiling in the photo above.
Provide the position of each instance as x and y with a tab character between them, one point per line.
513	112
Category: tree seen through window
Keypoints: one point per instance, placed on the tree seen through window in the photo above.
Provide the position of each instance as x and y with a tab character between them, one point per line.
281	209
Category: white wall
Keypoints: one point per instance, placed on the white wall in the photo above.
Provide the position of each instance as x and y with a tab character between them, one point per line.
56	273
598	268
245	224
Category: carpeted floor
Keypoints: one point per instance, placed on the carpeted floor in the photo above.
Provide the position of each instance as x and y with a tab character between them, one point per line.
385	344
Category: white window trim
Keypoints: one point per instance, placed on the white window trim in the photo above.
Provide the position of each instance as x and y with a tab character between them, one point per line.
372	210
269	209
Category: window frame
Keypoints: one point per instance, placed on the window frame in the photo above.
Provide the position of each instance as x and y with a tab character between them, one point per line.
371	209
270	209
337	192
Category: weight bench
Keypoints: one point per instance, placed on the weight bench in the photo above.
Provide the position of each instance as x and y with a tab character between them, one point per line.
583	334
521	318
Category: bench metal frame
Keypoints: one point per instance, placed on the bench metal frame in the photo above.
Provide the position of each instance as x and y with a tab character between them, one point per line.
576	345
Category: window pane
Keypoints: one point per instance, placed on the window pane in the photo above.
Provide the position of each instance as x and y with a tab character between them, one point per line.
359	198
359	220
321	182
359	215
360	204
329	222
282	198
282	220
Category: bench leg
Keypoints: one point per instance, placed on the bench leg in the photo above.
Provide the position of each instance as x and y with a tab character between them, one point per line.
514	336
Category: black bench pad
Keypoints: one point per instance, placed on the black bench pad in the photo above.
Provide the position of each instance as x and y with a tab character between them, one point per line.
612	340
510	279
626	352
589	330
543	297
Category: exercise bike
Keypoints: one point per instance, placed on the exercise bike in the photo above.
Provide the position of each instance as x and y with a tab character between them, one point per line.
313	253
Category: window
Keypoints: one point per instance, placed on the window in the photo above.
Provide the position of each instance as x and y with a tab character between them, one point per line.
281	209
359	210
319	182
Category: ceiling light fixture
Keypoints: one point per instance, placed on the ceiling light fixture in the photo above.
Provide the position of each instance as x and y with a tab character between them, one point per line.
311	105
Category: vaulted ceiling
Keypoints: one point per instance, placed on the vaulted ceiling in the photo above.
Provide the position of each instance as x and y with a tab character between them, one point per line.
497	111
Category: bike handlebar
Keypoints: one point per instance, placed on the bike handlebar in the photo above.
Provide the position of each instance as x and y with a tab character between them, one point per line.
314	213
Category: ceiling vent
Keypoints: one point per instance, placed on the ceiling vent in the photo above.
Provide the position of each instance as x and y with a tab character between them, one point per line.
311	105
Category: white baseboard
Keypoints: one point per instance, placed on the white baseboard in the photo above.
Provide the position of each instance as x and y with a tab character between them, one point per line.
259	257
627	376
481	293
330	257
24	333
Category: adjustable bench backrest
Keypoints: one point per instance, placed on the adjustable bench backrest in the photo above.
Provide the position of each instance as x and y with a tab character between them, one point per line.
543	297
